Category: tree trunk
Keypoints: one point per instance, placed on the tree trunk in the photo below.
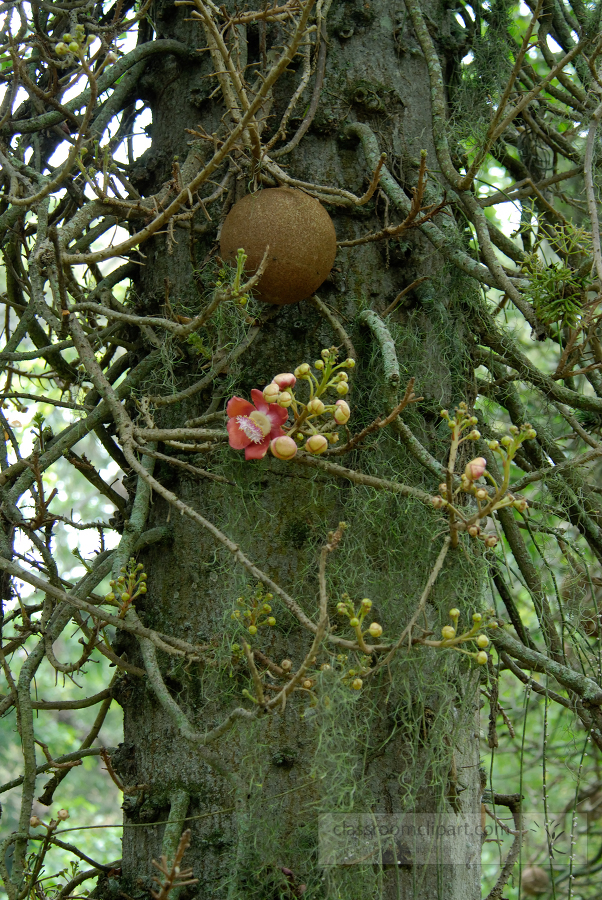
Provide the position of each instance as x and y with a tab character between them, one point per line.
408	740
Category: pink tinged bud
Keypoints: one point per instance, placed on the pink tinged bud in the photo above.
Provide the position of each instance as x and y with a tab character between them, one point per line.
342	412
283	447
438	502
34	822
316	444
475	469
285	380
271	392
62	815
491	541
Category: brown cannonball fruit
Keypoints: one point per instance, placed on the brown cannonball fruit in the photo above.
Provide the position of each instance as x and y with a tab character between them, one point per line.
299	233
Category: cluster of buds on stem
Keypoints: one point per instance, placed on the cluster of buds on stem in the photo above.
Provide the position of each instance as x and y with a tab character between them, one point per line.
73	43
255	612
130	584
314	421
451	639
487	501
61	816
353	677
346	607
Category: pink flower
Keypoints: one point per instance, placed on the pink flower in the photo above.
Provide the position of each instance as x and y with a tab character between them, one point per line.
475	468
251	426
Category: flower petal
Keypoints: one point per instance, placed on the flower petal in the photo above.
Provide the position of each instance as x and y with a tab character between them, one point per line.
239	407
258	451
237	438
277	415
259	401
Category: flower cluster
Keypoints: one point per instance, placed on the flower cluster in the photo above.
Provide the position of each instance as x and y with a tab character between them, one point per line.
72	43
451	638
258	425
130	584
487	501
346	608
351	677
255	612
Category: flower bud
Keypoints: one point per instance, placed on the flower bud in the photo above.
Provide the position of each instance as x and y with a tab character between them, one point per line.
493	445
521	505
61	49
375	630
448	632
482	641
316	444
366	603
319	364
62	815
354	622
342	389
481	494
286	665
474	435
343	376
35	822
476	618
74	47
481	658
252	629
285	399
111	57
324	667
342	412
271	620
271	392
284	380
302	370
506	441
513	430
454	613
350	363
315	406
443	488
341	609
325	354
530	434
473	530
475	468
357	684
283	447
438	502
490	540
67	37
